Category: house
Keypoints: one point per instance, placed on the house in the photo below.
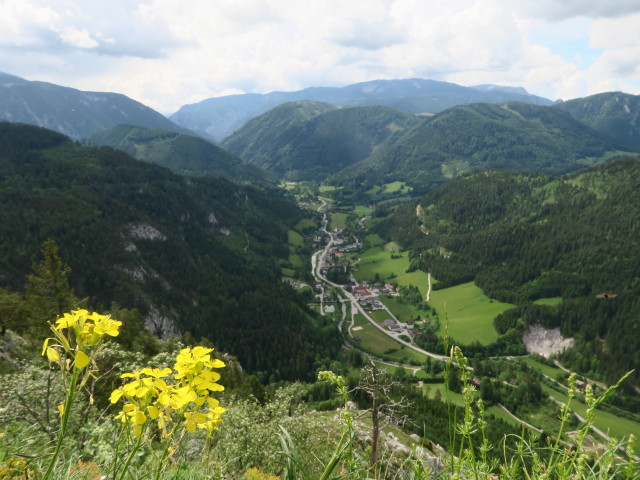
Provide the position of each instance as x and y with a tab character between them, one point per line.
391	324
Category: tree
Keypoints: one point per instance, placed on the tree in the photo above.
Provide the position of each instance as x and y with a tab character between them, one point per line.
384	408
48	293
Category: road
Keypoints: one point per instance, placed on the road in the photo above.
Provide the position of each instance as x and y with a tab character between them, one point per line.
317	260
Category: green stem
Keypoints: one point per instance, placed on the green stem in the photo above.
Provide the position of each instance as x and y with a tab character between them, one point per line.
131	455
64	422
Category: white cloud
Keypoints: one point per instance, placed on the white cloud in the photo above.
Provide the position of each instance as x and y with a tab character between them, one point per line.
80	38
167	53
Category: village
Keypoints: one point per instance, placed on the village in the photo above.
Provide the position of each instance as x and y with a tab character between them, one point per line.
339	256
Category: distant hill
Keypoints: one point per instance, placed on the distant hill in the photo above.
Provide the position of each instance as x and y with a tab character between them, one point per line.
373	144
523	237
615	113
219	117
509	136
307	140
184	154
72	112
197	254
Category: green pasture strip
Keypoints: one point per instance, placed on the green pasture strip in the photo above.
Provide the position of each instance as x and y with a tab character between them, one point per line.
327	188
288	272
470	313
305	223
402	311
499	413
416	278
609	423
338	220
378	342
373	240
455	398
548	301
296	260
376	260
396	187
547	370
295	239
362	210
407	354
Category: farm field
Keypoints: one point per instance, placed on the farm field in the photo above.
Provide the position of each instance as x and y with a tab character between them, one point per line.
470	313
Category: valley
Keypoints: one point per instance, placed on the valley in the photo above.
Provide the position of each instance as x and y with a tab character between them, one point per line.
377	319
409	253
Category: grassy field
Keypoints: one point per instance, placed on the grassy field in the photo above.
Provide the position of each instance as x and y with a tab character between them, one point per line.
548	301
396	187
402	311
470	313
328	188
377	260
306	223
296	260
338	220
416	278
607	422
378	342
389	188
548	370
295	239
362	210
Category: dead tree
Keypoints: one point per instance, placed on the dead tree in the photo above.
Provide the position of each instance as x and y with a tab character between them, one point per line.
385	410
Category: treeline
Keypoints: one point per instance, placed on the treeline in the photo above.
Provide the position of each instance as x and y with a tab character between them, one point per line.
198	253
525	237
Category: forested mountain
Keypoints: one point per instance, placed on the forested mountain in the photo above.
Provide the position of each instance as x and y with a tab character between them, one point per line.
221	116
522	237
197	253
73	112
614	113
509	136
313	144
184	154
263	135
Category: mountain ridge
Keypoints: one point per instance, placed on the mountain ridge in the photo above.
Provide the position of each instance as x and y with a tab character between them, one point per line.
219	117
74	113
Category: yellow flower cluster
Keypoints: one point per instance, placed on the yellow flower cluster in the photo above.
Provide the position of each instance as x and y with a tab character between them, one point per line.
187	395
83	330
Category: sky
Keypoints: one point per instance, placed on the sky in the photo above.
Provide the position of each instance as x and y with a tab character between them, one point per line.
168	53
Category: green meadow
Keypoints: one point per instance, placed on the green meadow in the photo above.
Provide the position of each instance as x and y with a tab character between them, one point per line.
609	423
295	239
377	260
469	311
379	343
338	220
548	301
402	311
362	210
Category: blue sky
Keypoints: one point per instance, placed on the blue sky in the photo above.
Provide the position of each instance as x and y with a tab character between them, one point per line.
167	53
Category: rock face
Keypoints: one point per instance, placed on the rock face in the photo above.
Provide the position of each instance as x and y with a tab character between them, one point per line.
545	342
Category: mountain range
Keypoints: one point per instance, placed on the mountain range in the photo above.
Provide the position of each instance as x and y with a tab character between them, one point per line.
219	117
375	144
72	112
